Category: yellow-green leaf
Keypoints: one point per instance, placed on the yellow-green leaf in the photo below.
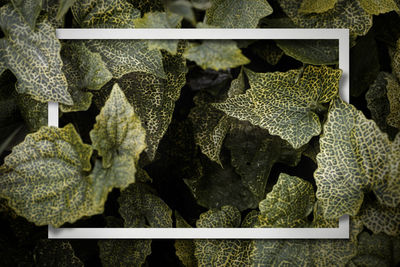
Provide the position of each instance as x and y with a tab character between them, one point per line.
44	177
355	157
316	6
379	218
237	13
284	104
393	95
29	9
376	7
216	54
288	204
33	57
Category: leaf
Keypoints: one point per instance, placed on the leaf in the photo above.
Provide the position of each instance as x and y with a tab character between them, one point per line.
44	180
245	14
104	13
63	8
29	10
182	8
376	7
146	6
377	101
33	57
153	98
35	113
381	219
118	133
284	106
345	14
316	6
55	252
140	208
160	20
124	252
355	157
288	204
315	52
268	51
393	95
374	250
216	54
184	247
125	56
221	252
396	60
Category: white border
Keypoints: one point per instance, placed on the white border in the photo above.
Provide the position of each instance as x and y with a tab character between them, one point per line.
342	232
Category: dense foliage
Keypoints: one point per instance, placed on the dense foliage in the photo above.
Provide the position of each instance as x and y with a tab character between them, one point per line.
206	133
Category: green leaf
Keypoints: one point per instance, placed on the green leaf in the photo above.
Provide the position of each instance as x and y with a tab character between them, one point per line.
184	247
379	218
345	14
153	98
160	20
237	13
124	252
146	6
44	180
316	6
125	56
182	8
216	54
118	134
221	252
33	57
393	95
268	51
288	204
315	52
376	7
53	252
29	10
355	157
396	60
284	106
141	208
35	113
64	6
104	13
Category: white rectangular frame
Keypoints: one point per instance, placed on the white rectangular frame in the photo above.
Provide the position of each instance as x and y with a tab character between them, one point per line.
342	232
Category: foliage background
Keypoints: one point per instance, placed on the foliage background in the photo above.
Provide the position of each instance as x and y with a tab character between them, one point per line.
167	198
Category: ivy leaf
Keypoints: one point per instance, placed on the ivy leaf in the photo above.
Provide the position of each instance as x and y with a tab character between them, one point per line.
216	54
268	51
221	252
316	6
245	14
345	14
395	55
44	179
146	6
29	10
64	6
379	218
140	208
104	13
376	7
355	157
315	52
53	252
393	95
33	57
284	106
118	134
35	113
184	247
160	20
288	204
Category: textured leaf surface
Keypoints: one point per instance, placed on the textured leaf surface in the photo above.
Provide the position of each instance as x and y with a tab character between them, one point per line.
376	7
355	157
33	57
55	253
63	8
237	13
379	218
396	61
118	133
216	54
160	20
393	95
288	204
316	6
345	14
184	248
29	9
154	98
104	13
221	252
140	208
284	106
316	52
43	178
35	113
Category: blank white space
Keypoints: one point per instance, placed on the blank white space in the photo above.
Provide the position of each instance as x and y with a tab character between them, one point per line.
342	232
